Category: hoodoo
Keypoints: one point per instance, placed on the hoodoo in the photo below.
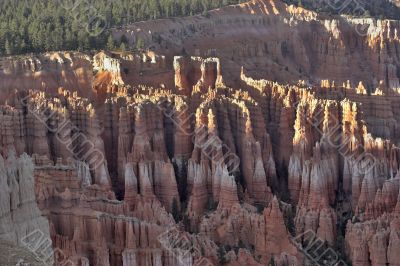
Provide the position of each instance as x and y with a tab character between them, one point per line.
243	136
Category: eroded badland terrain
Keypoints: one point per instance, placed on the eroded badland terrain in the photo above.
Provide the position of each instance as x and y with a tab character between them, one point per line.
246	135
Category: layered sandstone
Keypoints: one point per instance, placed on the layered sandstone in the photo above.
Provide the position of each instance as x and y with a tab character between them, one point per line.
120	150
280	41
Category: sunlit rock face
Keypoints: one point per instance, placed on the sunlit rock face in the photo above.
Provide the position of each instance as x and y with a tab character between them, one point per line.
283	43
46	72
242	134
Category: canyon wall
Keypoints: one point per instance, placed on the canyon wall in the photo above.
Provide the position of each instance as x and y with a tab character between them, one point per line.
116	156
284	43
212	161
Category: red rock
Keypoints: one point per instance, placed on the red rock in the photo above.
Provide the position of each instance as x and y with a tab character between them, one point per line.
228	194
131	184
167	133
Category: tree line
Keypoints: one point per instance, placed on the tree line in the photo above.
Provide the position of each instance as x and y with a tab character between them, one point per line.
50	25
360	8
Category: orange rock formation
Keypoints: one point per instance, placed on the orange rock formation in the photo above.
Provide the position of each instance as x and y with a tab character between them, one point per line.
115	155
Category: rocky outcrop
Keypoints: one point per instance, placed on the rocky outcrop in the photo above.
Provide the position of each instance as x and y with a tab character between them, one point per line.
155	155
20	216
273	238
46	72
127	147
148	158
268	235
286	43
196	71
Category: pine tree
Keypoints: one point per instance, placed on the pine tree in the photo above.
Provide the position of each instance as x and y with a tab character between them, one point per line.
122	47
175	210
124	39
271	261
36	26
221	254
84	41
300	3
139	44
70	40
110	43
8	47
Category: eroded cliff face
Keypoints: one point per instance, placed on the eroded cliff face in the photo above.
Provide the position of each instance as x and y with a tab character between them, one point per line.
284	43
46	72
126	153
267	38
252	170
24	231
